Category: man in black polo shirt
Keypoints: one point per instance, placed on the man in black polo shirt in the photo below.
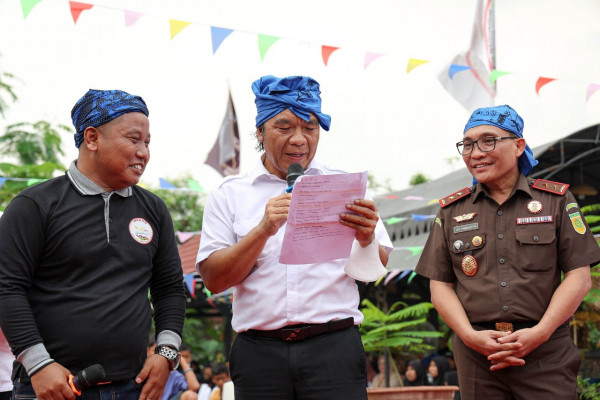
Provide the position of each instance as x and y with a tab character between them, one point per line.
79	253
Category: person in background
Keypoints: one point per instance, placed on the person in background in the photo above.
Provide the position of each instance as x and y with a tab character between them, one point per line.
438	366
219	377
415	374
79	254
379	379
279	310
509	263
6	362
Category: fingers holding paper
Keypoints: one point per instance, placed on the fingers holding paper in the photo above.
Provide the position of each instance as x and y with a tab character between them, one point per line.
362	217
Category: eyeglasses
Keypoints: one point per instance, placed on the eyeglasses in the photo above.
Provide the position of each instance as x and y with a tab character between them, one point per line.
485	144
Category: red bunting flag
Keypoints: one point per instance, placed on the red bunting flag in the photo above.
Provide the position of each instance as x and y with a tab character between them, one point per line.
78	8
326	51
542	82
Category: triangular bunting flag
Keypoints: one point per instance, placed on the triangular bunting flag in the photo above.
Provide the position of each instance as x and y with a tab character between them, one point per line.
177	26
591	90
190	283
370	57
218	35
414	63
78	8
326	52
421	217
184	236
2	180
394	220
27	6
410	278
131	17
541	82
495	74
391	275
195	186
414	250
454	68
164	184
264	44
33	181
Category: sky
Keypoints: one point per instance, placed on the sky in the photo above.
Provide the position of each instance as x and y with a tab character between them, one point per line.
387	121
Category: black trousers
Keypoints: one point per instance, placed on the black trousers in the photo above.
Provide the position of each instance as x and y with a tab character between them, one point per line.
329	366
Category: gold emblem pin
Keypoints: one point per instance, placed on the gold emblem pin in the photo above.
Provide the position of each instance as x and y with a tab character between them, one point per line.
469	265
477	240
464	217
535	207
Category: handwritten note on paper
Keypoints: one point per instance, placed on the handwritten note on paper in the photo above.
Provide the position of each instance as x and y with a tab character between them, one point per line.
313	233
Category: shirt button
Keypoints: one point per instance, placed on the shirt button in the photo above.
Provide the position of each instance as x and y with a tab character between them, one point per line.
499	212
503	284
536	239
504	308
502	261
500	236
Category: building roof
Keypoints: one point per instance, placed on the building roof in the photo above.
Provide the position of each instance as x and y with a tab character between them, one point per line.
187	252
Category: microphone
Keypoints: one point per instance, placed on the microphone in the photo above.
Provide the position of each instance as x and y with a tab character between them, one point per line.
294	171
87	378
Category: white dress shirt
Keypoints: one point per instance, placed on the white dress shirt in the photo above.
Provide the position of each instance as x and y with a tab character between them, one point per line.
274	295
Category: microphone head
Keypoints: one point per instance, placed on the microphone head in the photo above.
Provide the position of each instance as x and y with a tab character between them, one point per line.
294	171
89	377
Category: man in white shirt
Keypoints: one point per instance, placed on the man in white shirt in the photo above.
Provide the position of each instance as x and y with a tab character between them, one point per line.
297	323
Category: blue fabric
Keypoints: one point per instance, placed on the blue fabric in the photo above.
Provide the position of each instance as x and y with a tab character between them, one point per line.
504	117
97	107
298	93
175	384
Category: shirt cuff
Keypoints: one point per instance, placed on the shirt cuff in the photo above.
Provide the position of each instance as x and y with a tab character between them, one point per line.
364	263
35	358
168	338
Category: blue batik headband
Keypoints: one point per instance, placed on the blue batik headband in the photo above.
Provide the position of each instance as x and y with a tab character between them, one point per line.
97	107
298	93
504	117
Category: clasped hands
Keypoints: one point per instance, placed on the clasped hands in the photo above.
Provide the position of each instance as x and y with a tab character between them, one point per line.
506	349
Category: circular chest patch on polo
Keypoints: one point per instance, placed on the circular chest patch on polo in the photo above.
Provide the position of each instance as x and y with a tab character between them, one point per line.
141	230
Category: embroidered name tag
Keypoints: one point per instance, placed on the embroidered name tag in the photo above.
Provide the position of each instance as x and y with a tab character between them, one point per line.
534	220
466	228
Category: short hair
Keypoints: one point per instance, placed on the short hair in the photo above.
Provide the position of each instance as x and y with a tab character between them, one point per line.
260	146
220	368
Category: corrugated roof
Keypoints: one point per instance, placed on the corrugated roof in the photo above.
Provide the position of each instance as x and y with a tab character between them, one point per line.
187	252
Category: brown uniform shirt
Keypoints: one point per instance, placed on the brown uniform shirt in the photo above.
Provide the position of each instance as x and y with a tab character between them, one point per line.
520	253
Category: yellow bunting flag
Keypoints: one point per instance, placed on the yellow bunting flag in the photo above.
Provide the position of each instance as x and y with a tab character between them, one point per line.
177	26
414	63
264	43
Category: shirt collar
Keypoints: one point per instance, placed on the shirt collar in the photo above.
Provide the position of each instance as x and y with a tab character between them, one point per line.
522	185
87	187
259	171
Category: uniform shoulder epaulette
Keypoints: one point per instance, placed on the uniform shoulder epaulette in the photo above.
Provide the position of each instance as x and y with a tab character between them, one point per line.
549	186
455	196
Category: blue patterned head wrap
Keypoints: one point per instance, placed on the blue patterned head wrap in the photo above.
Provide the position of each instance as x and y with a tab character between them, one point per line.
97	107
504	117
298	93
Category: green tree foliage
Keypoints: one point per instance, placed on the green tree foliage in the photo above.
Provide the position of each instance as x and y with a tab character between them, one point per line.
185	206
205	339
417	179
35	142
6	91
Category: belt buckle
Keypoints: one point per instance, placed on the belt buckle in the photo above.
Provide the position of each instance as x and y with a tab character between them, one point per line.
504	327
292	334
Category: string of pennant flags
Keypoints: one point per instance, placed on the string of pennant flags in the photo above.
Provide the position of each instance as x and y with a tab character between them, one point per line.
220	34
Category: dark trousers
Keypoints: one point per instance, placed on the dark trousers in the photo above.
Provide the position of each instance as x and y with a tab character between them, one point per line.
329	366
550	372
114	391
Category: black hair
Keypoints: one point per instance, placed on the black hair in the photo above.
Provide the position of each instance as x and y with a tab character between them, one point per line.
220	368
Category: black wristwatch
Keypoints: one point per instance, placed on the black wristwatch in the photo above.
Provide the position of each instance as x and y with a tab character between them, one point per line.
170	354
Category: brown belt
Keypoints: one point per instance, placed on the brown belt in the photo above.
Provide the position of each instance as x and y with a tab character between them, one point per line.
509	326
304	331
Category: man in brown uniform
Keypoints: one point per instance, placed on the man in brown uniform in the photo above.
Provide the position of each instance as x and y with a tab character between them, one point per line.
495	256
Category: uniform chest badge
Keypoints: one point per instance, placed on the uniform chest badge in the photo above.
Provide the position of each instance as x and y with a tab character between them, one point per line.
469	265
535	207
140	230
477	241
458	245
464	217
577	222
